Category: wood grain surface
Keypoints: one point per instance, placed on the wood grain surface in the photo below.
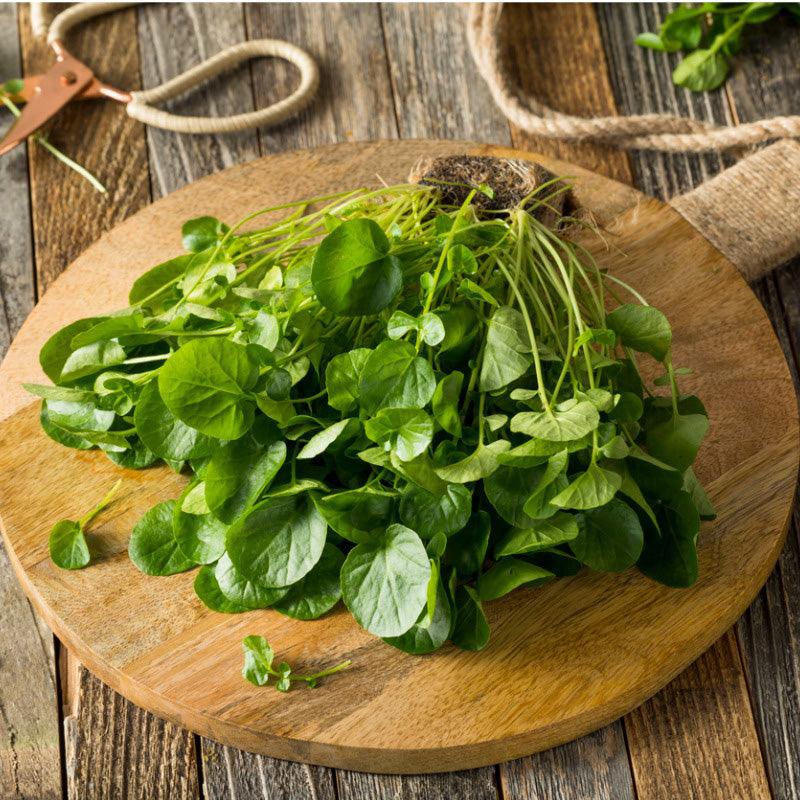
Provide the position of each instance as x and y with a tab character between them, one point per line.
581	59
394	713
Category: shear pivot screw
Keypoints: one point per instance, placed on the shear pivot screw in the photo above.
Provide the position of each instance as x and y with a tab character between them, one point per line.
68	78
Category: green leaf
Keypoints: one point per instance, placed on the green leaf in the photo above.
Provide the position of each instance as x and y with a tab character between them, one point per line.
57	349
445	403
590	489
68	548
466	549
460	259
507	354
670	557
278	541
342	378
201	233
406	431
206	384
649	40
321	441
359	515
541	535
200	537
472	291
429	325
568	425
13	86
701	500
430	515
508	488
471	631
242	591
430	632
480	464
353	274
610	538
701	70
384	583
156	280
318	592
238	473
91	359
163	433
676	440
258	657
642	328
207	589
152	546
508	574
395	377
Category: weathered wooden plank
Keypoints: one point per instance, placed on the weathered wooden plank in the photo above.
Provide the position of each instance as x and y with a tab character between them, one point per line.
668	736
16	250
29	726
537	38
766	82
595	766
641	80
231	774
68	214
173	38
477	784
437	90
354	100
116	750
669	758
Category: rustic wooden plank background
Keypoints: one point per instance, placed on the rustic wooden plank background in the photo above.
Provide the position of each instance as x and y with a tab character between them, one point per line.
728	727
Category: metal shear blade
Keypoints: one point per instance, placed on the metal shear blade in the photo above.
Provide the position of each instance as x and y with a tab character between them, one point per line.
45	95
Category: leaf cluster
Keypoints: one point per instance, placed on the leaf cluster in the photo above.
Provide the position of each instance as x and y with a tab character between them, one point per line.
711	33
380	398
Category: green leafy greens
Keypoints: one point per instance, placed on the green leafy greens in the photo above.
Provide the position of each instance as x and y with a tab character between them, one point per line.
412	406
711	33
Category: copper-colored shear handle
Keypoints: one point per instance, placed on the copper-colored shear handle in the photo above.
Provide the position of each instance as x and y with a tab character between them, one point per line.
45	95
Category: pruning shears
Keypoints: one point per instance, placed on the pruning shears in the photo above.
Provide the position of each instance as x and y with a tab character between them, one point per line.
70	79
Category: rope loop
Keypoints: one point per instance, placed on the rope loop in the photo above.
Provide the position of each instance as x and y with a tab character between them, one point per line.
141	107
641	132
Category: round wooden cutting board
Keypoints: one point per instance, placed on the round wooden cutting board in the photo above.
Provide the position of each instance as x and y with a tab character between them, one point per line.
563	659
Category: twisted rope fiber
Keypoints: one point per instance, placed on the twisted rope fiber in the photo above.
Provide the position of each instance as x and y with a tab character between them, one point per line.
140	107
641	132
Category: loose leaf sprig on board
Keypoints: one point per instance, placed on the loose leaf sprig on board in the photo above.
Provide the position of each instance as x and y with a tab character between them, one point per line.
380	397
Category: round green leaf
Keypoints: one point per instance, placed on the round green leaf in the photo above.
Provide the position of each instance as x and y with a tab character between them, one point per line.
206	384
318	592
242	591
278	541
200	537
163	433
471	631
642	328
207	589
610	538
385	583
394	376
429	514
352	274
407	431
68	548
508	574
152	546
359	515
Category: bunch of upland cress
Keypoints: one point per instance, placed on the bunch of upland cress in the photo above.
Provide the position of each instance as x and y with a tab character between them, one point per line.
415	399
